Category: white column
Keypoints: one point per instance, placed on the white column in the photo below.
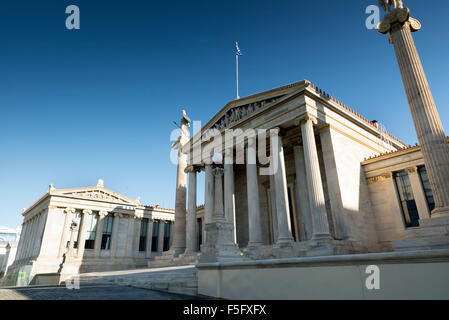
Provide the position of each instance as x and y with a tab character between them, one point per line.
40	232
229	194
208	197
191	237
254	221
82	234
115	231
273	212
315	186
22	241
302	195
29	246
160	245
137	227
65	231
280	180
99	233
149	238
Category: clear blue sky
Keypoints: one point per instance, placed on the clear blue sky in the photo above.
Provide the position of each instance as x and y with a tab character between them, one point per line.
99	102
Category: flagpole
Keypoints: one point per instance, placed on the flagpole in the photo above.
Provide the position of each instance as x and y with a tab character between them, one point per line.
237	73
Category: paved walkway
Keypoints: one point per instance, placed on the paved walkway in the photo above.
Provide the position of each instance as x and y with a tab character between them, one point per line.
88	292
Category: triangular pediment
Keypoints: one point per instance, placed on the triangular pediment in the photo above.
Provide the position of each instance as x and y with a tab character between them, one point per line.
237	110
97	194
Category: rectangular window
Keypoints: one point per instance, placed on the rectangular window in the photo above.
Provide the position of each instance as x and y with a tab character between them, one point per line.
426	186
167	229
154	240
408	205
143	234
91	220
107	232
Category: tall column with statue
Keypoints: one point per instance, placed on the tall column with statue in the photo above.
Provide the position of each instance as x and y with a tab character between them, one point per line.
435	149
179	236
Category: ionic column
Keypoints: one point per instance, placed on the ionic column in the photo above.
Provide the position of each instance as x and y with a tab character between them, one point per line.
316	194
82	235
429	129
179	236
229	195
302	195
418	193
273	212
160	244
149	238
115	229
254	221
208	197
218	199
65	231
41	226
99	233
21	241
137	227
73	229
191	238
280	180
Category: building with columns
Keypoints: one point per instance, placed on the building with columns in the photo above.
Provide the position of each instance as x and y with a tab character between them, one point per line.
68	231
342	186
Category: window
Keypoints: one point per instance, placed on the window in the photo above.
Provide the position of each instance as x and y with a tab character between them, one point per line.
107	232
167	229
200	233
143	234
91	220
426	186
154	241
408	205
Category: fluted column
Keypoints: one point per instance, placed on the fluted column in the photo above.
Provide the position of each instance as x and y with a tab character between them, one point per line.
65	231
254	221
99	233
302	195
229	194
273	212
115	230
429	128
192	240
73	230
218	198
137	227
316	194
208	196
149	238
82	235
179	233
280	181
160	238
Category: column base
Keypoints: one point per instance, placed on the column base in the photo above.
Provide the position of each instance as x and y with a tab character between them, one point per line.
284	243
318	237
220	246
440	212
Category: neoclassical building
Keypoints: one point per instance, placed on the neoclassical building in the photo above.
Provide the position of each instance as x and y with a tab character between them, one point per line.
343	184
68	231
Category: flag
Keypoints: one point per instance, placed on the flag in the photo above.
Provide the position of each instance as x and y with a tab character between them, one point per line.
237	50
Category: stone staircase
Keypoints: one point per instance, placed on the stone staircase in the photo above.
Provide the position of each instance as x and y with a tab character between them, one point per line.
167	260
179	279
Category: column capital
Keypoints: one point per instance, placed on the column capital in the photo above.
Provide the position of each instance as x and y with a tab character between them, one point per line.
397	19
103	213
192	169
217	171
304	118
87	211
69	210
116	214
412	170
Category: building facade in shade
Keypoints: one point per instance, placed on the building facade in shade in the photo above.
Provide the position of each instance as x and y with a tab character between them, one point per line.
8	247
343	185
68	231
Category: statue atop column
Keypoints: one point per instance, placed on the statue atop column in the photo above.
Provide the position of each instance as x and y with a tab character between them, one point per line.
429	129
